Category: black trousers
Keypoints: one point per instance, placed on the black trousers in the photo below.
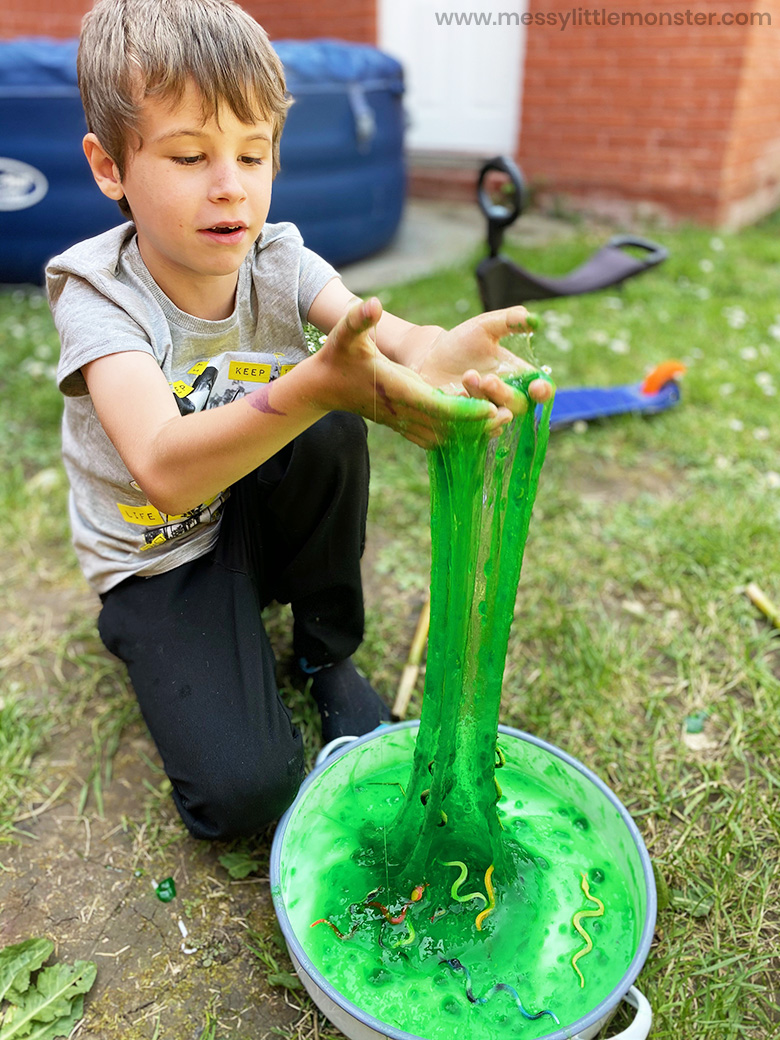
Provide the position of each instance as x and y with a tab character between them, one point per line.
193	640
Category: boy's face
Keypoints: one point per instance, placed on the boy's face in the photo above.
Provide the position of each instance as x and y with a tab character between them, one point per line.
200	194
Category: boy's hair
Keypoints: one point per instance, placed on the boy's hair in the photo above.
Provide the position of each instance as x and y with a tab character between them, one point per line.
130	50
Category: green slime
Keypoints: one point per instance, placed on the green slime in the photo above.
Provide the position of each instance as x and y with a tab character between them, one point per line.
482	494
382	916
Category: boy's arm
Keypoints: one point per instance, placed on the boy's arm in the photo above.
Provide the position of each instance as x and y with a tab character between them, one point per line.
181	461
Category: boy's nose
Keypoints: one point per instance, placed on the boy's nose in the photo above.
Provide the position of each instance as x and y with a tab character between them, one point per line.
226	184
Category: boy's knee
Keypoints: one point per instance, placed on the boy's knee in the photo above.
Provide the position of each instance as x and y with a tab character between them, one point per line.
240	802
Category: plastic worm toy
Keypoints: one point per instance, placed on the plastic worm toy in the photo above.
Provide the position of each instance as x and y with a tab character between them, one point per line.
454	964
386	913
576	922
464	873
416	895
354	928
405	941
330	924
491	897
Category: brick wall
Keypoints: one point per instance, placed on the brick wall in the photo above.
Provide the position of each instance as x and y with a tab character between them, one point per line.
353	20
686	117
349	20
58	18
750	185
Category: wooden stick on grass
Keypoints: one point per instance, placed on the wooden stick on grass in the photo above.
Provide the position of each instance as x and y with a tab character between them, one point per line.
412	667
759	598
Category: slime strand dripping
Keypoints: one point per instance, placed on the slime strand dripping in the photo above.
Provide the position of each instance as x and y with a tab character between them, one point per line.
482	495
491	897
455	965
576	922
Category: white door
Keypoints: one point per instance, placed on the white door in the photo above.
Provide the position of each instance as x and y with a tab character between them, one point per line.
463	61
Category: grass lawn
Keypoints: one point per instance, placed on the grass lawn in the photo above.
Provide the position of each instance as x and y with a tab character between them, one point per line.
634	647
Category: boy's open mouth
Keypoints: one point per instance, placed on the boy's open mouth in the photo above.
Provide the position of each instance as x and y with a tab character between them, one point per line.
226	229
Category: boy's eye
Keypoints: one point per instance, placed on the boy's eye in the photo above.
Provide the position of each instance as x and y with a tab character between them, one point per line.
252	160
186	160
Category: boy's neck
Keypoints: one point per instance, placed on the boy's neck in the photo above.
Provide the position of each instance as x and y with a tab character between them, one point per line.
210	297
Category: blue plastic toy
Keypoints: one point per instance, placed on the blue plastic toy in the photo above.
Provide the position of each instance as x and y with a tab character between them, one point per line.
659	391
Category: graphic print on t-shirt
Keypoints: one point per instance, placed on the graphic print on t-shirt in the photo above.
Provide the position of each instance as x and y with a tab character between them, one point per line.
207	384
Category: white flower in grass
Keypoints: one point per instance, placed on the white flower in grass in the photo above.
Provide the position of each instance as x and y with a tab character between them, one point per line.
599	336
614	303
721	462
748	353
701	292
772	479
461	306
726	389
580	426
736	317
34	368
761	433
619	346
706	266
764	379
737	425
716	245
774	330
558	340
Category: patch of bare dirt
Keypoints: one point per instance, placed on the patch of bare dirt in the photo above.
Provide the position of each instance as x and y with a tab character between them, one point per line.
83	874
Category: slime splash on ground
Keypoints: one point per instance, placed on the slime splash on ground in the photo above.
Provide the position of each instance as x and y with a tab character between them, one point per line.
451	886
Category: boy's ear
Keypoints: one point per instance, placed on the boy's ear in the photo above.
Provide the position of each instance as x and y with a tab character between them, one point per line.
104	169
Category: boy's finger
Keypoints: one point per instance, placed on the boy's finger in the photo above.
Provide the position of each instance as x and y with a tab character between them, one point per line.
501	323
363	314
492	388
540	391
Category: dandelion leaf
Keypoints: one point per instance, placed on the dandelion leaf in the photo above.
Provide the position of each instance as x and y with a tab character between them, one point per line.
49	1001
62	1027
16	964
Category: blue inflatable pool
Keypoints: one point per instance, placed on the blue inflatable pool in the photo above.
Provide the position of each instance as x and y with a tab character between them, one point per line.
342	179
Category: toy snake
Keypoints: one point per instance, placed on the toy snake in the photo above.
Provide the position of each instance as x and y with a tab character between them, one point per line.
464	872
576	922
491	896
455	965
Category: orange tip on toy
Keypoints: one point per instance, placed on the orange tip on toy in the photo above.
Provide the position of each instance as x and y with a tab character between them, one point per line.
661	375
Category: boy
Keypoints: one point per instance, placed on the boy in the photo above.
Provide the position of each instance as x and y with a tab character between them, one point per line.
203	485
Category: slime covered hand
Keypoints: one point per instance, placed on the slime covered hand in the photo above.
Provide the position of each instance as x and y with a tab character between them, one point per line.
469	360
356	376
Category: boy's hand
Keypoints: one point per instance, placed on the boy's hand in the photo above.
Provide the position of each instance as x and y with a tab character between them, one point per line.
357	377
470	359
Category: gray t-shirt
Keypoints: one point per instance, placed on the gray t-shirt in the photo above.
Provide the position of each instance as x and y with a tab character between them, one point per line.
104	300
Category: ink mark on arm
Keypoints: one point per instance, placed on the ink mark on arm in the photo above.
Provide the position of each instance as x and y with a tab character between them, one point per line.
385	399
259	399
